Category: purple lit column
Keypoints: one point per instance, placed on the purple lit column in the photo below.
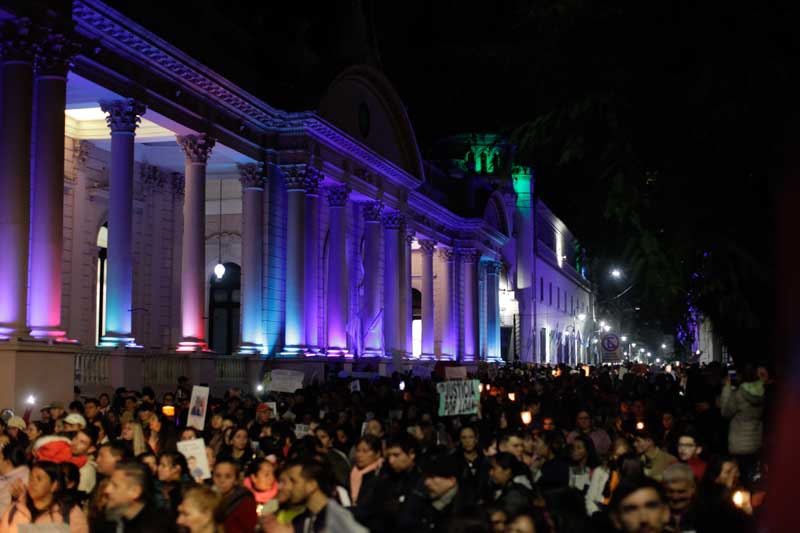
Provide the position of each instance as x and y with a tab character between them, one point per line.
470	304
295	337
391	282
493	311
197	149
406	299
427	299
251	176
47	200
311	264
372	317
123	117
446	300
338	282
16	82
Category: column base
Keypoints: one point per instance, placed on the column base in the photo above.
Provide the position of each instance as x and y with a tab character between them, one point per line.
117	341
250	348
51	334
373	353
428	357
190	344
293	352
338	352
11	332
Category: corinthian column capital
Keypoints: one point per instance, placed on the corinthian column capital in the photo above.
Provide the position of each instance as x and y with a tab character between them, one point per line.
197	148
18	40
338	195
54	53
123	115
427	246
251	175
372	211
392	220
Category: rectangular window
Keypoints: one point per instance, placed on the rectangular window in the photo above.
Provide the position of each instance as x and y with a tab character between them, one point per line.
541	289
558	297
551	294
572	305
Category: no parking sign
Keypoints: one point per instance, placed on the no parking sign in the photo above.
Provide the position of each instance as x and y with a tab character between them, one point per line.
610	344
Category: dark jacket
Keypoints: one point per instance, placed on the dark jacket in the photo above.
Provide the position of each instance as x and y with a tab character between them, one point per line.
513	498
438	519
149	520
474	475
239	511
394	502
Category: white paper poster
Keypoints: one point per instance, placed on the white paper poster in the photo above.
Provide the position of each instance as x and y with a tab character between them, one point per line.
195	452
285	381
197	408
301	430
355	386
455	372
273	409
461	397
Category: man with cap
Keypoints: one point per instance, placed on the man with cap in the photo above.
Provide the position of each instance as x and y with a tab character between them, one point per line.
655	459
16	429
74	422
56	414
263	414
449	500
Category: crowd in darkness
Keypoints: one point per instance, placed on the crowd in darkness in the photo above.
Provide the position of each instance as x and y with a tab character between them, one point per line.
552	449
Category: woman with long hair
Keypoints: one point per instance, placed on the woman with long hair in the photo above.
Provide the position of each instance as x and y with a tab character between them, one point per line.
583	461
198	512
41	503
508	495
172	481
240	449
162	436
132	435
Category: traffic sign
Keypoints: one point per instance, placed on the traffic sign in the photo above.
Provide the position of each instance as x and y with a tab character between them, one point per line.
610	342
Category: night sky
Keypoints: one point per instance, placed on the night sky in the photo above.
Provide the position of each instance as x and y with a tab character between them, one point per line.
656	129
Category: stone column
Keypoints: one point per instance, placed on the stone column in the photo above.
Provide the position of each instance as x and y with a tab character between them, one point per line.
372	314
427	248
493	311
251	176
448	336
311	263
295	334
47	200
16	88
392	261
123	117
469	310
338	280
406	299
197	149
525	283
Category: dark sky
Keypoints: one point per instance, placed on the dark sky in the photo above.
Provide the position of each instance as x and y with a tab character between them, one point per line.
658	126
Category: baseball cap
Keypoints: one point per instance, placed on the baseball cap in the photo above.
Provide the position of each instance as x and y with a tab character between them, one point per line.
75	418
56	405
17	422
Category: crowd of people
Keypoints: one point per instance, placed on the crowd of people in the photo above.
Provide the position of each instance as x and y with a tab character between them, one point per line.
551	449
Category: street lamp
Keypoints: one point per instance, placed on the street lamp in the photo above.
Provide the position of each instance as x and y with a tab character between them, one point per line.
624	338
641	350
581	316
606	328
663	346
633	345
649	354
616	273
602	323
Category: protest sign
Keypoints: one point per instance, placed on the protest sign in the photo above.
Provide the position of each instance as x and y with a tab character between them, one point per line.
458	397
285	381
301	430
197	408
455	372
195	452
273	409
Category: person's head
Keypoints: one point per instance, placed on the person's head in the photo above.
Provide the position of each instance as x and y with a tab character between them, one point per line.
12	457
198	510
149	461
56	410
216	421
70	476
441	475
547	444
374	428
84	441
548	423
583	420
643	442
130	484
73	422
263	413
169	398
638	409
667	421
226	475
468	437
502	466
211	457
188	434
401	452
109	455
308	479
171	466
497	519
523	523
621	446
688	447
91	408
240	440
324	436
723	471
262	474
639	507
582	451
368	450
104	400
679	485
43	482
36	430
512	443
16	426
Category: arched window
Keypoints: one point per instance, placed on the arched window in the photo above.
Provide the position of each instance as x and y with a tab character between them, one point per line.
224	307
100	288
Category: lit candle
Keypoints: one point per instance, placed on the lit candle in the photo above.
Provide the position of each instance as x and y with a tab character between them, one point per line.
526	417
639	426
512	396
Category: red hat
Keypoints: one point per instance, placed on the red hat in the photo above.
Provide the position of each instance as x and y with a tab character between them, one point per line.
263	407
57	450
